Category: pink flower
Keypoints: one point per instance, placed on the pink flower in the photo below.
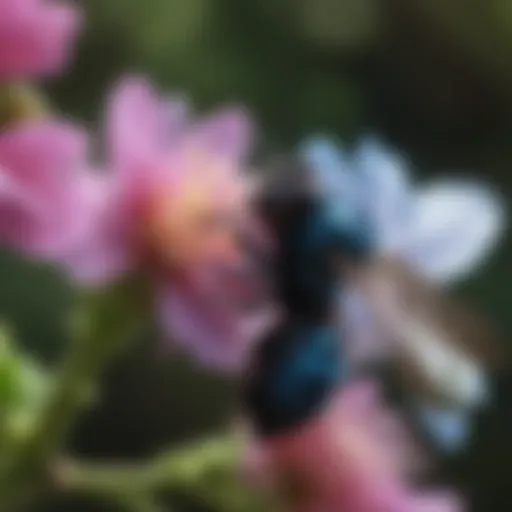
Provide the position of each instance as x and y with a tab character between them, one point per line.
173	205
36	37
356	457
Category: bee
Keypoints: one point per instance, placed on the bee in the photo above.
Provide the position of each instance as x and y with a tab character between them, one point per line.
360	254
396	307
299	365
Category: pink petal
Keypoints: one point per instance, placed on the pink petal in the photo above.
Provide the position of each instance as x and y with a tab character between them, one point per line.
227	133
18	210
377	498
52	206
360	396
209	329
43	156
41	198
140	126
344	459
432	502
98	265
104	252
36	37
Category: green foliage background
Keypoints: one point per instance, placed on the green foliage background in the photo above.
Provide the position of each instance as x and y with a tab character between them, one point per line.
433	77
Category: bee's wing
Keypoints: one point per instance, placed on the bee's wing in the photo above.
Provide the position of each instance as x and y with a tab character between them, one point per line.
453	228
372	179
364	340
330	168
443	348
386	189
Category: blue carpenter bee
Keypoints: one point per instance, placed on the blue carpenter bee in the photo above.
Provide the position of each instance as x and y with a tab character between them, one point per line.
330	212
300	364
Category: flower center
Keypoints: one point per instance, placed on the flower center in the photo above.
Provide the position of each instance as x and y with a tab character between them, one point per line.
188	224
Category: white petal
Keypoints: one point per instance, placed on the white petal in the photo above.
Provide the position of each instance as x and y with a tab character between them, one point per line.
454	227
331	170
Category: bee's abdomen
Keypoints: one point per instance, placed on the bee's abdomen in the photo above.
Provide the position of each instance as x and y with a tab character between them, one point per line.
294	375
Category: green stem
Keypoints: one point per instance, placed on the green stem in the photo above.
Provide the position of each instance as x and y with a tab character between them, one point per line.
105	480
205	470
107	322
178	469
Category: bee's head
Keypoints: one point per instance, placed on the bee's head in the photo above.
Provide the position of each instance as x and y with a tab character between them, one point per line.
286	193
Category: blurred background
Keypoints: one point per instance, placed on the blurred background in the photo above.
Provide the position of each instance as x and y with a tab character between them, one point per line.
431	77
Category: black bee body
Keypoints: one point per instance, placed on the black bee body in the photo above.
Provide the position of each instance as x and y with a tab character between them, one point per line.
300	364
